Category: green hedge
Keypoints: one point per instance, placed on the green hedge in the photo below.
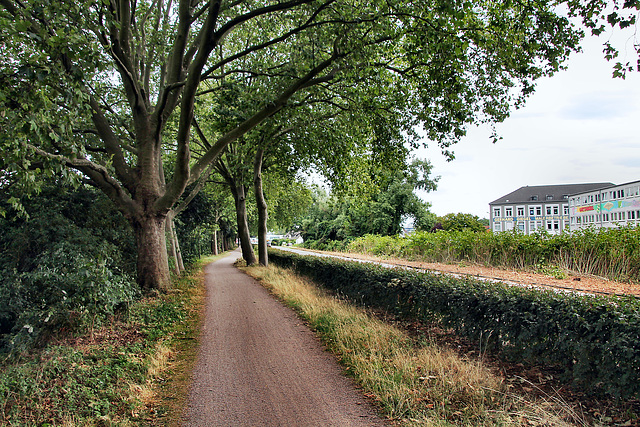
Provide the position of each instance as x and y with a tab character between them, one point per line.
595	340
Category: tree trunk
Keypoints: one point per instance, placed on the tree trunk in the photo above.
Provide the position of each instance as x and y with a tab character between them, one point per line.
151	243
178	250
243	225
214	243
263	255
172	246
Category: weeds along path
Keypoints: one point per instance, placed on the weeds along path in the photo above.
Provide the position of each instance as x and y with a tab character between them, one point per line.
259	365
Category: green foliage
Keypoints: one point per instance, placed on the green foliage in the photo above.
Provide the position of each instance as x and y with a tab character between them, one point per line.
593	340
393	201
97	93
94	384
461	221
69	264
613	253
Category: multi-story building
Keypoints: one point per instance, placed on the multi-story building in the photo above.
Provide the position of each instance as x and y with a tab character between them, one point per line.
612	206
533	208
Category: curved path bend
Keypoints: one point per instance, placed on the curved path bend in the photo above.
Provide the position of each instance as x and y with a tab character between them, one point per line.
259	365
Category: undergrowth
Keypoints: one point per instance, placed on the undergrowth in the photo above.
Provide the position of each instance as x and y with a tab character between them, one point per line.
109	376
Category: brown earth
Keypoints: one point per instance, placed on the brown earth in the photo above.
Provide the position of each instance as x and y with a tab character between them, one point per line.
259	365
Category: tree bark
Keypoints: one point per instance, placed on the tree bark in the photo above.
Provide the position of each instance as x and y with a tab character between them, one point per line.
243	226
263	255
172	246
152	262
214	243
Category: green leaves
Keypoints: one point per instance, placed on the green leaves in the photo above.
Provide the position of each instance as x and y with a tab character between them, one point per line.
592	339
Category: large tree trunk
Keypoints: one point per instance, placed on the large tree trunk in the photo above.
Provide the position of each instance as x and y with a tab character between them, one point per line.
243	225
263	255
153	263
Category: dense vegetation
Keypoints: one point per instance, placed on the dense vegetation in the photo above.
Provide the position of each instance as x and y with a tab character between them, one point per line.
110	375
333	222
612	253
593	340
69	261
69	264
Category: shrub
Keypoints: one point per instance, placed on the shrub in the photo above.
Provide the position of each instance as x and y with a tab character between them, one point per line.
69	264
592	339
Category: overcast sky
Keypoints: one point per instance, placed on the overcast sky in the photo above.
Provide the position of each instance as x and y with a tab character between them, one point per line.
581	125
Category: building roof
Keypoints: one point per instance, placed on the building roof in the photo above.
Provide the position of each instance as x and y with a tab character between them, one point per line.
607	187
547	193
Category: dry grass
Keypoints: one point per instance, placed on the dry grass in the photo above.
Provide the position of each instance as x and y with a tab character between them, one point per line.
414	383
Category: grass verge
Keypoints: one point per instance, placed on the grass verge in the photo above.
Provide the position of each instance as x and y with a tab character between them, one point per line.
116	375
413	382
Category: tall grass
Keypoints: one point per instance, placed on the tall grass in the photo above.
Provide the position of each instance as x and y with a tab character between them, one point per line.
609	253
417	383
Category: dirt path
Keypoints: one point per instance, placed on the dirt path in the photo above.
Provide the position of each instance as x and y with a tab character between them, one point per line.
259	365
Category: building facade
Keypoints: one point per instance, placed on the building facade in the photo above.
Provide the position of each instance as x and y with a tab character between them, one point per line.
612	206
535	208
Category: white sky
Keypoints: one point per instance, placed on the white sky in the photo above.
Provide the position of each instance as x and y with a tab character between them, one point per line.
580	125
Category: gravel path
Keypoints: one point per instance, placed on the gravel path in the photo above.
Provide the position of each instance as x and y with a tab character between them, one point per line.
259	365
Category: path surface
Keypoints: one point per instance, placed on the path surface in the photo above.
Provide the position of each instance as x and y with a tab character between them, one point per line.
259	365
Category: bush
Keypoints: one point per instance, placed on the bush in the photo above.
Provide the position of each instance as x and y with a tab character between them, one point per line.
594	340
71	263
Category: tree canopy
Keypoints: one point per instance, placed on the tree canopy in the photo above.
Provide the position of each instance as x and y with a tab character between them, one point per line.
100	92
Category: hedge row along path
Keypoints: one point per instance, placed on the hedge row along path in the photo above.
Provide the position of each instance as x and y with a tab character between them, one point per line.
259	365
587	284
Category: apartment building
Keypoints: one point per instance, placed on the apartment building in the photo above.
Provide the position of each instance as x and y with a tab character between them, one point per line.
612	206
532	208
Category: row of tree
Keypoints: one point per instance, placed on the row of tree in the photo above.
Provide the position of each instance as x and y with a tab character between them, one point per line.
145	99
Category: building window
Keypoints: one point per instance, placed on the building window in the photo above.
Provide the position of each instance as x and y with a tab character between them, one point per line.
548	210
496	227
556	225
549	197
534	198
549	225
496	212
555	210
520	211
565	210
538	210
508	212
521	226
532	211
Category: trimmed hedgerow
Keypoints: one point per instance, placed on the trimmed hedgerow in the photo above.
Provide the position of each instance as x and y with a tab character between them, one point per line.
595	340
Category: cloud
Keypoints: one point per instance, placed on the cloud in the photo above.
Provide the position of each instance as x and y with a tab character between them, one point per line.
597	106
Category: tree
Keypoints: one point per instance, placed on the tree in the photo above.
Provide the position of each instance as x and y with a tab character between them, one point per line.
90	90
381	212
461	221
597	15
